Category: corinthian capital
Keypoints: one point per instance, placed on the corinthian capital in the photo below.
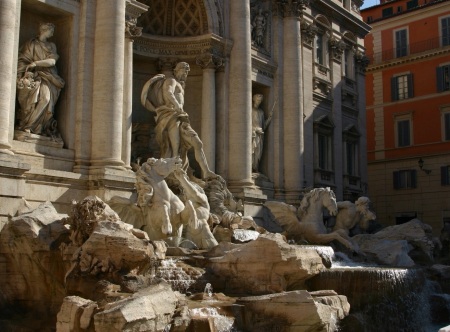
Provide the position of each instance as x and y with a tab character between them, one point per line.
289	8
133	10
309	31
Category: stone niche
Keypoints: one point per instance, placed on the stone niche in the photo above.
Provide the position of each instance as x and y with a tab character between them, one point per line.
32	14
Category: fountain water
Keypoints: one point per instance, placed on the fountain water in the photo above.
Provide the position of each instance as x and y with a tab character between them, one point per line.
382	299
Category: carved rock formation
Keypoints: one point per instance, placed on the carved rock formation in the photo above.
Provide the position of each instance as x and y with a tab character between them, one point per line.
401	245
265	265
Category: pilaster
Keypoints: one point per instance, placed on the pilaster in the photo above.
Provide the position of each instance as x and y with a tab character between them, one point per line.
9	26
209	63
293	103
240	99
133	10
108	97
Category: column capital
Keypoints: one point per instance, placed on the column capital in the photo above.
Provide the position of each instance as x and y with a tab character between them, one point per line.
289	8
337	47
309	31
209	61
362	61
133	9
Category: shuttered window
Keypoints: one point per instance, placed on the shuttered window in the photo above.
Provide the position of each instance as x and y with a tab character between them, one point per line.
445	31
443	78
401	43
402	87
406	179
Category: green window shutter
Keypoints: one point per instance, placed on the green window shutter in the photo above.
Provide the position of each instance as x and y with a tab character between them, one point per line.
394	89
410	86
440	78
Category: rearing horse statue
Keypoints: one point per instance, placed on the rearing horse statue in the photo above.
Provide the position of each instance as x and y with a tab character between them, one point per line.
306	223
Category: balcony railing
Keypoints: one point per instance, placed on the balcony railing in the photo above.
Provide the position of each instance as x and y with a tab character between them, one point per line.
413	48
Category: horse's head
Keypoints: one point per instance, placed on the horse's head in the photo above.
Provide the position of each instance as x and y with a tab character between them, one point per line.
165	166
329	201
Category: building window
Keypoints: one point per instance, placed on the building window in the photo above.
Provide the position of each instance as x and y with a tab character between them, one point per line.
445	31
443	78
402	87
405	179
349	64
401	43
387	12
351	158
411	4
445	175
323	139
324	152
446	126
402	217
320	56
351	137
403	133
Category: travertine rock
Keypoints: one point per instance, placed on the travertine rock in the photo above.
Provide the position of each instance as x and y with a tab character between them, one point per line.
32	275
294	311
75	315
265	265
150	309
394	245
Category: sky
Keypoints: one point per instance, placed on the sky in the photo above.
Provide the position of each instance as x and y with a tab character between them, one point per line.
370	3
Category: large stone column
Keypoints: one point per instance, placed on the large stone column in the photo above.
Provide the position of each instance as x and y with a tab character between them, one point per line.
9	18
208	63
134	9
292	102
222	119
336	51
85	88
240	99
108	85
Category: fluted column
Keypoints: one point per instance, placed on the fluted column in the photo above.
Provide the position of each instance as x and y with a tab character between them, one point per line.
240	97
133	10
209	63
85	88
109	62
293	103
221	119
9	12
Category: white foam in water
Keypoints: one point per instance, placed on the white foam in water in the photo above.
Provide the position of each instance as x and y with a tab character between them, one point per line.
221	323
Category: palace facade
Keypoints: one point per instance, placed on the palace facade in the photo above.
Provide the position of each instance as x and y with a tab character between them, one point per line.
305	57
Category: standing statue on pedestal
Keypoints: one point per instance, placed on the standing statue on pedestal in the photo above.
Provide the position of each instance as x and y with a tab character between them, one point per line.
259	125
165	96
259	27
38	84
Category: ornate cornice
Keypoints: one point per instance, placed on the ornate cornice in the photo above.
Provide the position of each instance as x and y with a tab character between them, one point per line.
182	47
133	9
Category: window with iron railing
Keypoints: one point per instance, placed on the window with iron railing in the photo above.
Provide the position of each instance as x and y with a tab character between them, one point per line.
413	48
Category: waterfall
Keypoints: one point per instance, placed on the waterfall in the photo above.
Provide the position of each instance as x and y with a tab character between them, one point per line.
381	299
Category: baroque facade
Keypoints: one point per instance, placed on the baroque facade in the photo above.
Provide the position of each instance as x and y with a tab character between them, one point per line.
408	112
305	57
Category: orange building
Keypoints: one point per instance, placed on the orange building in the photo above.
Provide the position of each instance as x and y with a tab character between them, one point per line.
408	111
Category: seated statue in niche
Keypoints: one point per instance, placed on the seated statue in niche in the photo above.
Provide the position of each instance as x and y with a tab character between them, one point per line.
259	125
165	96
38	84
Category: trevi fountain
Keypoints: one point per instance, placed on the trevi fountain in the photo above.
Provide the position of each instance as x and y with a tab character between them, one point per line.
181	244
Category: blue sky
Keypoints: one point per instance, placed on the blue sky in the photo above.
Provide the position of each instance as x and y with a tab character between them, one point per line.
370	3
